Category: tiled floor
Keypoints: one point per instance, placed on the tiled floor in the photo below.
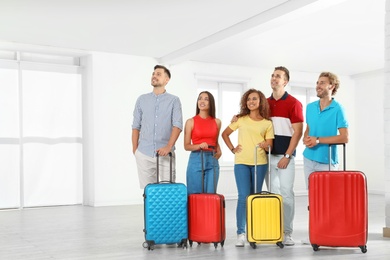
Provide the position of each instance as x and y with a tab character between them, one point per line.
77	232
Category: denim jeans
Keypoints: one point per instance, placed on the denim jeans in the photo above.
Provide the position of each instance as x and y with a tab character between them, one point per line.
244	175
194	172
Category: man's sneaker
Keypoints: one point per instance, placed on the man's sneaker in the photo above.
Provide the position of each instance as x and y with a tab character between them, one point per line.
241	240
305	241
288	241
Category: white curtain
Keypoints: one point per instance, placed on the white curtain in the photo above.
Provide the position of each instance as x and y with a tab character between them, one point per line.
40	136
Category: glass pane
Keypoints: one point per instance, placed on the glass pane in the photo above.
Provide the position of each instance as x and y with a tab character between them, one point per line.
9	176
211	87
306	96
51	104
230	106
53	174
301	147
9	116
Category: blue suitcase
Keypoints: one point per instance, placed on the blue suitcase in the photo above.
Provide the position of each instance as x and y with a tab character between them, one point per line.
165	212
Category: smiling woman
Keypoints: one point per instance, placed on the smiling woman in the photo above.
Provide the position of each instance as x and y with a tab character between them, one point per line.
201	134
255	130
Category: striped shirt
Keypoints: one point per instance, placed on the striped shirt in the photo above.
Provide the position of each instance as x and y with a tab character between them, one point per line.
284	112
155	116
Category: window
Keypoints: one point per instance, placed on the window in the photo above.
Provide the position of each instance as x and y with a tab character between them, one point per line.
41	133
227	97
306	95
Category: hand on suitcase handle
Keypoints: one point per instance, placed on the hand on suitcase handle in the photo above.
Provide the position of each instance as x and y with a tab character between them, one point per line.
264	145
164	151
170	154
204	146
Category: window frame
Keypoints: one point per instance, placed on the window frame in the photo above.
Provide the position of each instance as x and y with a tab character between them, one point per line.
21	61
222	83
297	89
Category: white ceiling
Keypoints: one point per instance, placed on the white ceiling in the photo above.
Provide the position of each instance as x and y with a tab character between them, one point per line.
343	36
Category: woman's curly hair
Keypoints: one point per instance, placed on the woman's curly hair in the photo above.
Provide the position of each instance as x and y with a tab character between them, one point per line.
263	108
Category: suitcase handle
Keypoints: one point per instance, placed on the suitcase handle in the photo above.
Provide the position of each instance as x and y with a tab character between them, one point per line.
170	168
269	168
344	154
215	175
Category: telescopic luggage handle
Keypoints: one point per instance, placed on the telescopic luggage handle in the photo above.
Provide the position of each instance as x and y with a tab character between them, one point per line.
344	154
170	167
269	168
215	177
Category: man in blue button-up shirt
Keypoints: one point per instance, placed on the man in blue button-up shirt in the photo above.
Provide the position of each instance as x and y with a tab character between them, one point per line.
157	124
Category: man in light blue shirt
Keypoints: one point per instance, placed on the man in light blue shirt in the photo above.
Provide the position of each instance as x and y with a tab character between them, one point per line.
157	123
326	124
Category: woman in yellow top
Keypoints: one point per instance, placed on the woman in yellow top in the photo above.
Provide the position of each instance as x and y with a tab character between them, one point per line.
254	128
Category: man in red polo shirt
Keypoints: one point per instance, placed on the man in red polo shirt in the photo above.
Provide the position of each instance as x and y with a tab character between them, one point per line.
287	119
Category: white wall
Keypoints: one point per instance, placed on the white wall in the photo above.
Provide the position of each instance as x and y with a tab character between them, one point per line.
117	80
370	147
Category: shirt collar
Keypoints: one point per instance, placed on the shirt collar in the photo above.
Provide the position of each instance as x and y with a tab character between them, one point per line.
282	98
331	105
158	94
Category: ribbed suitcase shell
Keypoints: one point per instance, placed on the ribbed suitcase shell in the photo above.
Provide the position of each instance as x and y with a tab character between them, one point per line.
206	214
265	218
264	215
166	220
338	209
206	218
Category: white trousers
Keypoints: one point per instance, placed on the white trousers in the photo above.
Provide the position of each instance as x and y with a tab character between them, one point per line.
147	168
282	182
310	166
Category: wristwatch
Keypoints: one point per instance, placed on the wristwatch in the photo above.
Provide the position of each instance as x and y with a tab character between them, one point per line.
318	140
287	156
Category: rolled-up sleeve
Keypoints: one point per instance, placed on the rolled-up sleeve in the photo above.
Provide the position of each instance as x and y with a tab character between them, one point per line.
177	115
137	116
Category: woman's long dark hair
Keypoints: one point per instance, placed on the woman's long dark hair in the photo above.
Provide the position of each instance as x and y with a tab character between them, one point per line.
211	104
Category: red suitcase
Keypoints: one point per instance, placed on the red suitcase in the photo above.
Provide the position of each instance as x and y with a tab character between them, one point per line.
206	216
338	208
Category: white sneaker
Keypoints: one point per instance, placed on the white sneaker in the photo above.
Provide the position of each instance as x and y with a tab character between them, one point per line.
241	238
288	241
306	241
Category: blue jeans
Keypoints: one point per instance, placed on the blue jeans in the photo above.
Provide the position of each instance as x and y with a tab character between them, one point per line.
194	172
244	175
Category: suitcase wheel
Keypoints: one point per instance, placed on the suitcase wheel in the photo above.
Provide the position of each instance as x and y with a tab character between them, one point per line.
148	245
253	245
315	247
222	243
280	244
190	241
183	243
363	248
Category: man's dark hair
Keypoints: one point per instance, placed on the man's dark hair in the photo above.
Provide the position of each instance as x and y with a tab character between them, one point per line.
164	68
285	71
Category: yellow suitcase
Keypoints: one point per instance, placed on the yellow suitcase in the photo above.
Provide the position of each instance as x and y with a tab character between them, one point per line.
264	216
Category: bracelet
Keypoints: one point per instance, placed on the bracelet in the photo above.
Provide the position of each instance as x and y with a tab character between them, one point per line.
232	150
